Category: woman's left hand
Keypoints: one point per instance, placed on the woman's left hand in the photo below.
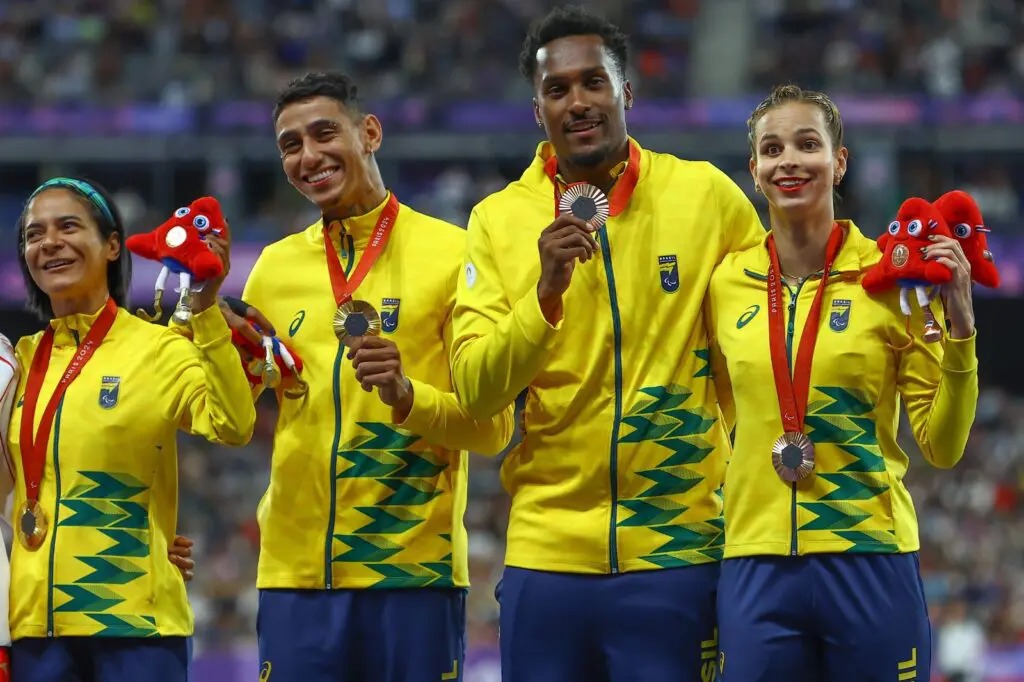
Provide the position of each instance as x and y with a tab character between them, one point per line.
208	296
956	295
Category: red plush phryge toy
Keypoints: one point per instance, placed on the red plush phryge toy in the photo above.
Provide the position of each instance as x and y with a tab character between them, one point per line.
266	358
272	362
903	264
180	244
965	222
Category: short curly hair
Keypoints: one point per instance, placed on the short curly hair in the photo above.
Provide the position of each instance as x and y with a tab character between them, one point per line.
563	22
332	84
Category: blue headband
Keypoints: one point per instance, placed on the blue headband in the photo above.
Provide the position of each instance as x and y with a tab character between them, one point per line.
81	187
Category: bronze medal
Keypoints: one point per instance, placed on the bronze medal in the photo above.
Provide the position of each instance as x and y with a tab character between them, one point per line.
793	451
32	526
356	319
31	521
793	456
586	202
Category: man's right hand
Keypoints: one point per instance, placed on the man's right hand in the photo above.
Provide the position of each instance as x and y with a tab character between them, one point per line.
567	240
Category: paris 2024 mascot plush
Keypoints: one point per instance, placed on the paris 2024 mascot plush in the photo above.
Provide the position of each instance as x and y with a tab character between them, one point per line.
903	264
963	216
180	245
272	362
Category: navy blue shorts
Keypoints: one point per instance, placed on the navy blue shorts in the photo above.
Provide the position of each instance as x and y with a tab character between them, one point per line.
834	617
406	635
644	626
101	659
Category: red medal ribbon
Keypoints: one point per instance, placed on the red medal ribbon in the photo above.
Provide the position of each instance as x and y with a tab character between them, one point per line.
33	450
622	190
342	286
794	390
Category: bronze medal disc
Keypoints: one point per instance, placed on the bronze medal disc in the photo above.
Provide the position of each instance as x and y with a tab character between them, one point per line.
793	457
355	319
32	526
586	202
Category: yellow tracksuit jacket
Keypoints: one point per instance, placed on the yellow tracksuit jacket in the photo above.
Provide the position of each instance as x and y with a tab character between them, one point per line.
855	500
622	457
355	500
110	483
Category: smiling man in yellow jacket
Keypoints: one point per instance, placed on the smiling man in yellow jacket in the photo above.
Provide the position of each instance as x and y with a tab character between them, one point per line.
615	533
363	552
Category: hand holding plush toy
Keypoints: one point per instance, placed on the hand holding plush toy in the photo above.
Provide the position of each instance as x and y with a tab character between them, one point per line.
180	244
265	358
964	219
903	264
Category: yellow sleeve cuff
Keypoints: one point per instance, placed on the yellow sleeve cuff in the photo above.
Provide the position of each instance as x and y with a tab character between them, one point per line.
423	413
960	354
530	319
210	328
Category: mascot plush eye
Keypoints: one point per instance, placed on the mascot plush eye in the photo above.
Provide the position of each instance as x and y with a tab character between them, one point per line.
182	212
894	227
914	227
962	231
201	223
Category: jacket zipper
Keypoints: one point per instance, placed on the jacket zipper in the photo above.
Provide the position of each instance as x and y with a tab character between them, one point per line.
606	255
56	518
790	329
329	542
348	252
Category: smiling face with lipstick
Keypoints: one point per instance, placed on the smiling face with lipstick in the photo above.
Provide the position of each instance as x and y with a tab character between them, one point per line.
797	158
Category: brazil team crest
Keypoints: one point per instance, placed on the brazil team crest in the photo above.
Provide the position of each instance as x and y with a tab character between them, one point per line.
110	389
839	318
668	268
389	314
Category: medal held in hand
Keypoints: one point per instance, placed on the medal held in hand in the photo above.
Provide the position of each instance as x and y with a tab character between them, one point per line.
585	202
356	319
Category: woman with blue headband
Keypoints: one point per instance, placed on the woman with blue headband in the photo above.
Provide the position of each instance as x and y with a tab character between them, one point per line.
91	441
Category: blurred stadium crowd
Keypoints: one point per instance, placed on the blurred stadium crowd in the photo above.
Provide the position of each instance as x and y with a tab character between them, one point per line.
196	52
201	51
